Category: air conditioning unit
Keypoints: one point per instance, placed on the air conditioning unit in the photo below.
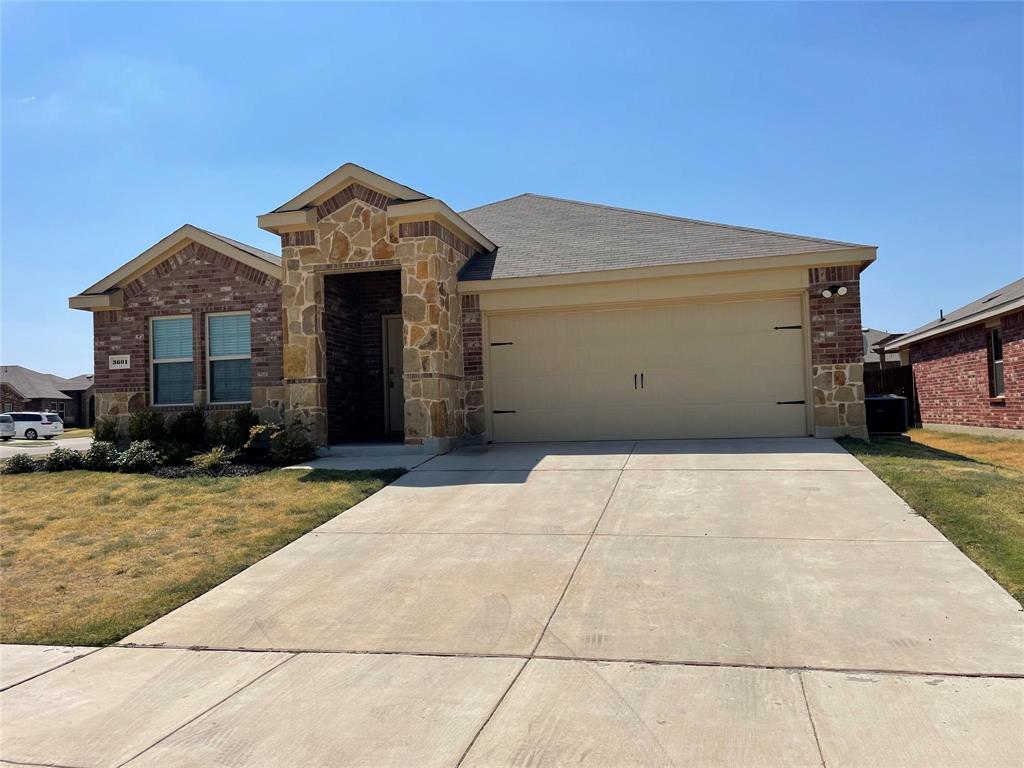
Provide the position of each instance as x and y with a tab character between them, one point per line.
887	414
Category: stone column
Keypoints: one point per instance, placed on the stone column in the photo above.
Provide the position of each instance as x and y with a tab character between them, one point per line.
304	345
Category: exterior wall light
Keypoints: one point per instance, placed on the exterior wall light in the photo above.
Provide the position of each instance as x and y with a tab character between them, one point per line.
834	290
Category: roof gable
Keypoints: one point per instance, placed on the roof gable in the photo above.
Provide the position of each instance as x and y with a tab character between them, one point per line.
342	177
539	235
104	294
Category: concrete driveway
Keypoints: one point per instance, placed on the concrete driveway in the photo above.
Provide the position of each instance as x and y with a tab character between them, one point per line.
734	602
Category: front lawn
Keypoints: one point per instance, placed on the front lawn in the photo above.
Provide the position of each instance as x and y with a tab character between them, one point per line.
86	558
970	488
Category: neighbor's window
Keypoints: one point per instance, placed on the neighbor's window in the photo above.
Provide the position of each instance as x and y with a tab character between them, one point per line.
229	351
172	360
995	362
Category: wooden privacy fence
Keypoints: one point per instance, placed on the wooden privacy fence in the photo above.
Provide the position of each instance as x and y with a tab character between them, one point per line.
895	380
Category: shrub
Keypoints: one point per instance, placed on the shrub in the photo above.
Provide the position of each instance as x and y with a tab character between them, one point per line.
102	456
215	433
140	456
284	445
188	428
18	464
215	459
62	459
258	445
106	431
235	431
146	425
291	445
176	454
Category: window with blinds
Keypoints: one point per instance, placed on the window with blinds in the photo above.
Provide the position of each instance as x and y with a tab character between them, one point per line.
171	360
229	357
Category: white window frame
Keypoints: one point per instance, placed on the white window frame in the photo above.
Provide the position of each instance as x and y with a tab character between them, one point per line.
153	362
990	331
210	359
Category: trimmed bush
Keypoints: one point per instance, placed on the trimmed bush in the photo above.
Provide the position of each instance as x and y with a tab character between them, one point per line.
188	428
18	464
102	456
140	456
146	425
237	427
105	431
291	445
62	459
213	460
176	454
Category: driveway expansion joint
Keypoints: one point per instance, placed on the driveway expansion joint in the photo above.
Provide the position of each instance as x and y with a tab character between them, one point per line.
581	659
810	717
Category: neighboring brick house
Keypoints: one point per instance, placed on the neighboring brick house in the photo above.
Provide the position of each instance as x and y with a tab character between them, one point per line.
390	315
969	364
22	389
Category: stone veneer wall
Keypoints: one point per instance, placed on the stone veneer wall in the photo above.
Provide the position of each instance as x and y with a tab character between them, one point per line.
195	280
952	378
837	353
353	234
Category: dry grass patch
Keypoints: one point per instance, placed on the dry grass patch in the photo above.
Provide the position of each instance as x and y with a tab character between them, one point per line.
992	450
89	557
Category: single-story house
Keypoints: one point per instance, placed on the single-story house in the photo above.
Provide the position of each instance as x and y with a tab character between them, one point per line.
875	356
22	389
389	315
969	364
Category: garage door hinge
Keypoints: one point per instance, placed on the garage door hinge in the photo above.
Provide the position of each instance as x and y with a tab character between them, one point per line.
788	327
501	343
790	402
502	411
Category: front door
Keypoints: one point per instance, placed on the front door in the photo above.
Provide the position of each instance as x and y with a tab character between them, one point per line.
394	395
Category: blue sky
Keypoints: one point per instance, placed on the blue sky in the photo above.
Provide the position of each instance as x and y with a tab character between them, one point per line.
893	124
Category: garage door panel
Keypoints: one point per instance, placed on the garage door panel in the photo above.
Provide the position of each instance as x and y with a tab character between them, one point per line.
711	369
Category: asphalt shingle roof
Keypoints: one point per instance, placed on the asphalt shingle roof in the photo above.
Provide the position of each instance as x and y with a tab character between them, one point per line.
538	235
33	384
1008	293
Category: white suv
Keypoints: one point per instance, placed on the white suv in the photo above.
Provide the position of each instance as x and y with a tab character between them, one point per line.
30	425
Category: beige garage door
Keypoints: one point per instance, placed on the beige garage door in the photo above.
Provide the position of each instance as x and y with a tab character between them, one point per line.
702	369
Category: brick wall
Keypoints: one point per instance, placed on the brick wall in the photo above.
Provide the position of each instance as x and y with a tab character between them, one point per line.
196	280
837	353
11	400
836	336
473	364
952	379
353	307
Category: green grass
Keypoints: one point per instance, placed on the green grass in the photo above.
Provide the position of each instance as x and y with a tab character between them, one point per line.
976	503
86	558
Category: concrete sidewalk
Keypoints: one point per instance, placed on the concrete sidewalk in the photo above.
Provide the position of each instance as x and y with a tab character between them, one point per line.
734	602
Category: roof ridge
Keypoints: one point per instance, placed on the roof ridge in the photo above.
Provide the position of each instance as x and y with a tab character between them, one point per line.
495	202
670	217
